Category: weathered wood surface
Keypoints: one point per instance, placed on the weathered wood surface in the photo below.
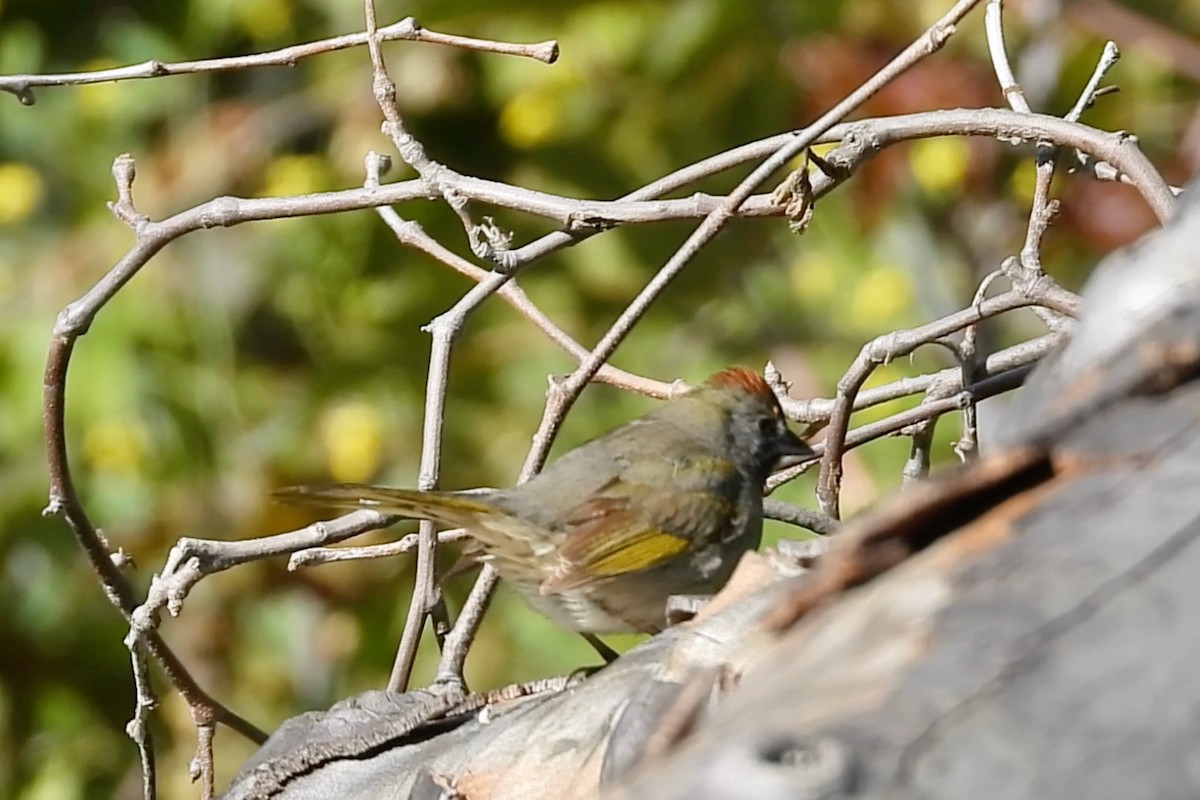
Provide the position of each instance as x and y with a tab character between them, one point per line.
1026	627
1049	648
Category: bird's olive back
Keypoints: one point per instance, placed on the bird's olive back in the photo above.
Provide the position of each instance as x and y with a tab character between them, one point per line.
743	430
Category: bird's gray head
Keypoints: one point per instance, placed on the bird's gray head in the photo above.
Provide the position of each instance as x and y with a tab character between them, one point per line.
756	431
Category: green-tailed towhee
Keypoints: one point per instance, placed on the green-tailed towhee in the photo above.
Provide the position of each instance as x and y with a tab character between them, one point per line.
663	505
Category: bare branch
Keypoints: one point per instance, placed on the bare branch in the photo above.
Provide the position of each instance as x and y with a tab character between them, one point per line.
137	728
897	423
867	136
801	517
407	29
820	409
1028	270
917	466
202	766
882	350
426	595
462	634
315	556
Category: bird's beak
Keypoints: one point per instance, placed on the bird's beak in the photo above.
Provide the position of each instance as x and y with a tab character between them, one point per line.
793	450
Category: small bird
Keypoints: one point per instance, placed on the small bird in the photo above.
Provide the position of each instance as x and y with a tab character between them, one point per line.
663	505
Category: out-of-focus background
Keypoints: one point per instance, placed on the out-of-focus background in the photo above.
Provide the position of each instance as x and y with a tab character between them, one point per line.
245	359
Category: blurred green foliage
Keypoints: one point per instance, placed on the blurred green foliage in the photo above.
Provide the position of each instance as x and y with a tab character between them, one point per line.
292	351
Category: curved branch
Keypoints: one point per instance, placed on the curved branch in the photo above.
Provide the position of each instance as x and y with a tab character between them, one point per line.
64	501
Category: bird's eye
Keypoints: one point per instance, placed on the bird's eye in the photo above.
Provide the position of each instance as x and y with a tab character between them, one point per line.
766	425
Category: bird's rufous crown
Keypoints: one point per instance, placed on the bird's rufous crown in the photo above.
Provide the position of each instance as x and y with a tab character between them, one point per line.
744	379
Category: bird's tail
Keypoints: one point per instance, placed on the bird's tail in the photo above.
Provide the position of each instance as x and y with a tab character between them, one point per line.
450	509
513	546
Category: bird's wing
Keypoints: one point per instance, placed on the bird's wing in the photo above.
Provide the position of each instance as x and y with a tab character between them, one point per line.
630	527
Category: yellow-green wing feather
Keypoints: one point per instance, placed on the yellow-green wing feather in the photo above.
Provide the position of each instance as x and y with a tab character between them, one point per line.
630	528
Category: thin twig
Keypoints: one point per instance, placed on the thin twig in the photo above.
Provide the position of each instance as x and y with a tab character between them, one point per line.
916	467
1091	90
820	409
462	634
1028	270
138	728
971	367
799	516
406	29
315	556
904	420
426	595
202	767
411	234
486	240
1042	209
988	387
190	559
882	350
